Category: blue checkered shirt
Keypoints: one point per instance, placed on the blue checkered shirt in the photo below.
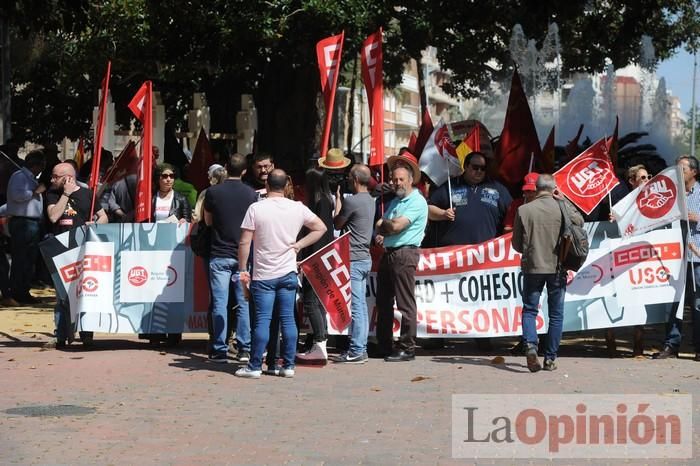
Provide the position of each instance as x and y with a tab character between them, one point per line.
693	203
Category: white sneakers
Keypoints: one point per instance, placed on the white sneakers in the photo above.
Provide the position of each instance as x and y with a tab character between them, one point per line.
317	355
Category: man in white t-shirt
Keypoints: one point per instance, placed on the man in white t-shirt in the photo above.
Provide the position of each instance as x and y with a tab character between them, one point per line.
273	225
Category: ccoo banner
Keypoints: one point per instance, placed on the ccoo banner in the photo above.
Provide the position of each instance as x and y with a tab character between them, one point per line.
144	278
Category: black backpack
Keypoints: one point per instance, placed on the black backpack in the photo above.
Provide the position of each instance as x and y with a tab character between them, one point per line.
200	239
573	242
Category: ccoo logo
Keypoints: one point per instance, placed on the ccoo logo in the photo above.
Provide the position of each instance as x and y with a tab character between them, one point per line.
657	198
137	276
589	177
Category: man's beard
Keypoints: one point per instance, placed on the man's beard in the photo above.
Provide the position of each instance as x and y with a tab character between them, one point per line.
400	192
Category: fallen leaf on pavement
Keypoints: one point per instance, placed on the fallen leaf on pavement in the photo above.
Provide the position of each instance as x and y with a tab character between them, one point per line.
498	360
77	357
11	359
375	389
419	378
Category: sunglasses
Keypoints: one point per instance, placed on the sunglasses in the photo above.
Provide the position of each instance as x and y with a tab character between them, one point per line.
477	168
164	176
644	177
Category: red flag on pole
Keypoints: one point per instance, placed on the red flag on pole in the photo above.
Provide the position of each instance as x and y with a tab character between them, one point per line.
548	154
328	53
588	178
142	107
127	163
426	129
519	136
202	158
372	75
572	146
328	272
97	149
412	143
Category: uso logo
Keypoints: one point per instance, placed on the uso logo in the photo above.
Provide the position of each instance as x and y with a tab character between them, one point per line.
657	198
89	284
589	177
137	276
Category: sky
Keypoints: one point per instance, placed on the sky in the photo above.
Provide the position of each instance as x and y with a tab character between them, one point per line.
678	71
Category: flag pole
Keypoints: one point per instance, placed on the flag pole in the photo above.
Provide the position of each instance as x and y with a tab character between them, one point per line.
532	159
449	182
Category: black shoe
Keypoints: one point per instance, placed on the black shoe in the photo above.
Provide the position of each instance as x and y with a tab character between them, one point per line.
399	356
533	364
697	357
667	353
29	299
243	356
219	358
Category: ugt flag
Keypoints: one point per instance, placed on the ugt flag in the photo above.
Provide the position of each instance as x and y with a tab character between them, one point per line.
328	272
439	159
657	203
588	178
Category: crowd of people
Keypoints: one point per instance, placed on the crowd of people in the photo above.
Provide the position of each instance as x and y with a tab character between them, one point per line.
256	243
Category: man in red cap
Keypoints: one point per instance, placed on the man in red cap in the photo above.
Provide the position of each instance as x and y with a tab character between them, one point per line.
529	191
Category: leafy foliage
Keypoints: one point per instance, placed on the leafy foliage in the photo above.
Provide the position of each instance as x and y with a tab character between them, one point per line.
229	47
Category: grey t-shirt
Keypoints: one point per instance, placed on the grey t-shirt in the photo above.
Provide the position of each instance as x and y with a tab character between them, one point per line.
358	210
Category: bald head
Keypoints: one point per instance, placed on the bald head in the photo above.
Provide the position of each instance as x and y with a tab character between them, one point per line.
277	180
60	173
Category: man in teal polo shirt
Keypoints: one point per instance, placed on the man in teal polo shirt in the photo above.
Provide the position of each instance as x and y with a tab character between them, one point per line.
400	231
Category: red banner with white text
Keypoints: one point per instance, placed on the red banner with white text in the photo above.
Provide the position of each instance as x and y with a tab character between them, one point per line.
328	272
372	75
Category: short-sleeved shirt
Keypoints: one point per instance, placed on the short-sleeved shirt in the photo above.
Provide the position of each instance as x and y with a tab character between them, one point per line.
358	212
479	211
276	222
227	202
77	211
693	202
415	209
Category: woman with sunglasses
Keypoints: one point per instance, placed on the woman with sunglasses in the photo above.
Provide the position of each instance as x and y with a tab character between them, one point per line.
637	176
168	205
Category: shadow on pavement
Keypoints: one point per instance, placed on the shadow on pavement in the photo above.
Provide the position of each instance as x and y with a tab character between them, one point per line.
483	361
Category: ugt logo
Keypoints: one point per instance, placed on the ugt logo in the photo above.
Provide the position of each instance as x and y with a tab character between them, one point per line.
589	177
657	197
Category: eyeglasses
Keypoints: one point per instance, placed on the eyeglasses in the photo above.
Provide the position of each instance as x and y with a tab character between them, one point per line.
57	177
164	176
477	168
266	167
644	177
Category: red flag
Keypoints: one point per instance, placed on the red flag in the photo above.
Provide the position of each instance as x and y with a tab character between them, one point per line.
548	154
79	155
328	272
142	107
202	158
412	143
572	146
138	103
426	129
97	149
588	178
613	145
328	53
127	163
519	137
372	75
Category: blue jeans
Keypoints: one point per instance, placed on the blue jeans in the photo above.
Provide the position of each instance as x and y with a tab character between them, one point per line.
674	327
278	295
221	271
24	249
533	284
359	327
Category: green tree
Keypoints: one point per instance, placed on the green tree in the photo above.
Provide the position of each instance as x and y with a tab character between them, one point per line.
229	47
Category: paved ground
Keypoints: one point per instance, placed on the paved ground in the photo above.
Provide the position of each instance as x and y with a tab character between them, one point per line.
172	407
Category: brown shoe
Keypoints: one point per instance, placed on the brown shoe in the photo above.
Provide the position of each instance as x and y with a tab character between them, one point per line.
667	353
